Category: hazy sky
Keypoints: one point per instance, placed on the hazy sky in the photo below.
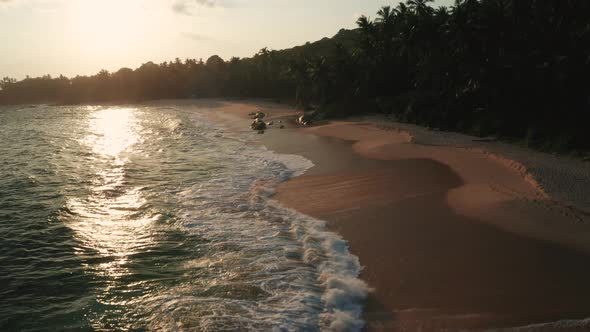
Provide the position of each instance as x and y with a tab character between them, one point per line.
71	37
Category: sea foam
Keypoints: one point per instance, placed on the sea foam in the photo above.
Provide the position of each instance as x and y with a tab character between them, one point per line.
322	283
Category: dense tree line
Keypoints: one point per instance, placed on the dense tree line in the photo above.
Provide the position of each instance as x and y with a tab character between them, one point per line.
513	68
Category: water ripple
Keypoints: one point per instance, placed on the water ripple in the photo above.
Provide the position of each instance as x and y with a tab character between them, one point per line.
149	218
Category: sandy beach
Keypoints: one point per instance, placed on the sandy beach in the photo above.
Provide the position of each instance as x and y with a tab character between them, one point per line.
450	236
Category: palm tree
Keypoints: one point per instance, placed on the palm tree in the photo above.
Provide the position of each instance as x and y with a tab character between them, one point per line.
365	24
368	34
386	16
419	6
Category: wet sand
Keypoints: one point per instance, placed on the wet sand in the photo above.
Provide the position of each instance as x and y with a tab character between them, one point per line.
450	239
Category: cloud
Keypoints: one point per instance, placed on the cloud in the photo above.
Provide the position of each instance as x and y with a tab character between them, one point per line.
208	3
181	7
186	7
195	36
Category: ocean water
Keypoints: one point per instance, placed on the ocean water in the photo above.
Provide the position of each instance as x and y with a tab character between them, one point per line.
151	218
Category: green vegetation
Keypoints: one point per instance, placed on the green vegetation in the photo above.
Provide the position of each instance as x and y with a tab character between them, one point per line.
512	68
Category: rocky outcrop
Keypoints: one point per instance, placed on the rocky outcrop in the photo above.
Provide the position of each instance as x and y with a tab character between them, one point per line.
258	124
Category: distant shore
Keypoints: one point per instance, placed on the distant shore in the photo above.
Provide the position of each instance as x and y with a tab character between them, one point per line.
450	238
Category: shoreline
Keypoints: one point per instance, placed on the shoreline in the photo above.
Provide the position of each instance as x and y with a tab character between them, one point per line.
450	238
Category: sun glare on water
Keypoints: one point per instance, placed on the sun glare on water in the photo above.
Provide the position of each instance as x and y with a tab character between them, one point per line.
114	131
105	220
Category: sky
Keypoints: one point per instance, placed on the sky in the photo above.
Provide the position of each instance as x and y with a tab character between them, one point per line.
81	37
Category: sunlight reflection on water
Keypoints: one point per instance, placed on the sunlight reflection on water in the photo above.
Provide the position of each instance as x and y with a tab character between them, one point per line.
108	220
114	130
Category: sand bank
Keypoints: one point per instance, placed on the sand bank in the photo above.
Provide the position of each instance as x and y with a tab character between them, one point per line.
450	237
